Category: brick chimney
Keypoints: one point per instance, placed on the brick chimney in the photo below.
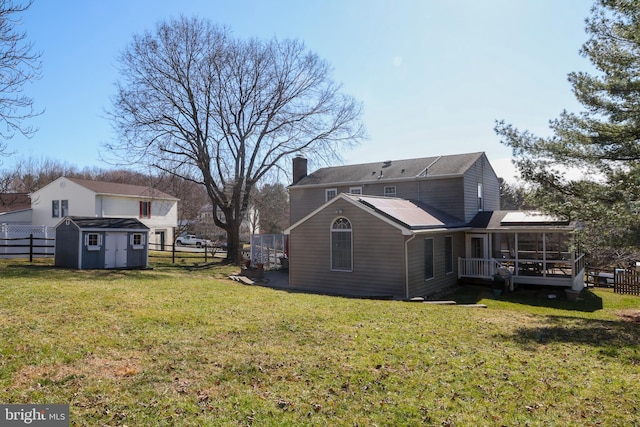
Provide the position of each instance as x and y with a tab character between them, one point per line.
299	168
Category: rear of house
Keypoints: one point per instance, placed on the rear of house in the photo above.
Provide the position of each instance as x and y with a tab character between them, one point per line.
408	228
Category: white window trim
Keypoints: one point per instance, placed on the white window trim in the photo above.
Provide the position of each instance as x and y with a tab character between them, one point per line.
358	190
142	241
93	247
389	194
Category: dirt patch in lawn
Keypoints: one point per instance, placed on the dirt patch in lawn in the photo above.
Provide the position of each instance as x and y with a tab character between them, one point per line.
120	366
630	315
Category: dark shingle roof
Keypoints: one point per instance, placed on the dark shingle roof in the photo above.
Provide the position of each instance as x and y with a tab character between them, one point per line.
455	164
113	188
411	214
108	223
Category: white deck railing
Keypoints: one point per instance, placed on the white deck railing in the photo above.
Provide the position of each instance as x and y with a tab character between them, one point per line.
480	268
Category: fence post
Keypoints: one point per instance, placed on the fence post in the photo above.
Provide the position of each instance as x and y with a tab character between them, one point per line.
173	253
31	247
206	253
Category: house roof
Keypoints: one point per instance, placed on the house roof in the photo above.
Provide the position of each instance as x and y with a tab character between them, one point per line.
455	164
10	202
506	220
107	223
406	215
117	189
411	214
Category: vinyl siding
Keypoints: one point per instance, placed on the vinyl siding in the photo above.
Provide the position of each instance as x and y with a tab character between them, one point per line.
446	195
481	172
378	255
418	286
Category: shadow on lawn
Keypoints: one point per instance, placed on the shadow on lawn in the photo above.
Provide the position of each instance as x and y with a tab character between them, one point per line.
533	296
611	337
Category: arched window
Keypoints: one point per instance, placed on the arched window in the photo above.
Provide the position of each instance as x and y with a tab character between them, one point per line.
341	245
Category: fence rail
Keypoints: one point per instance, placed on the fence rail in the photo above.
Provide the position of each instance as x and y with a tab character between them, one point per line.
17	247
626	282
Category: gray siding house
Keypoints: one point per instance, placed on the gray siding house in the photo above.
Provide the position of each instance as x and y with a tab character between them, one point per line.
408	228
96	243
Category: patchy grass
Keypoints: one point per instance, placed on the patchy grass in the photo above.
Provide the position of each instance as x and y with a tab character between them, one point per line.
184	346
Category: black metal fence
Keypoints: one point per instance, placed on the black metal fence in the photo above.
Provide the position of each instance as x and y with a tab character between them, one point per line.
176	253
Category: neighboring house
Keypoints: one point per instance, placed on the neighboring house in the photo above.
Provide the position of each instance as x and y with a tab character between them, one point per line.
15	208
80	197
414	227
90	243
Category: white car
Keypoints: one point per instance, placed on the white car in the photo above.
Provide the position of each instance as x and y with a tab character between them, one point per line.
192	240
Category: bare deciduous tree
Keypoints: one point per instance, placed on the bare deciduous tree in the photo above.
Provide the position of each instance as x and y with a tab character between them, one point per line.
18	65
225	112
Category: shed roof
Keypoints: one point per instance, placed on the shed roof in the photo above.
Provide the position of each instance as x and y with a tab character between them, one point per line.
106	223
455	164
117	189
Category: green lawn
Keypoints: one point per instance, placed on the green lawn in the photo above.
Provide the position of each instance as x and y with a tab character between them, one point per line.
185	346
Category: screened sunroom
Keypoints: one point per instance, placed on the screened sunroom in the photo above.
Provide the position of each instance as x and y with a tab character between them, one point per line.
537	249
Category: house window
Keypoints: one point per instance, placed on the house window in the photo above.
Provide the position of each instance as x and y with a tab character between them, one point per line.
448	254
93	241
355	190
137	241
59	208
330	193
341	245
428	259
390	191
480	201
145	209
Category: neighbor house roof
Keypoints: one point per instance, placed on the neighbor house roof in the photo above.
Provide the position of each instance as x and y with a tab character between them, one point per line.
106	223
455	164
117	189
10	202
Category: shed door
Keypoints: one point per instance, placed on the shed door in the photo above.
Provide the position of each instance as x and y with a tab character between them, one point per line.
115	250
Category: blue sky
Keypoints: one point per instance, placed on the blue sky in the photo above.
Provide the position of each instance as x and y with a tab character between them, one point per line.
433	75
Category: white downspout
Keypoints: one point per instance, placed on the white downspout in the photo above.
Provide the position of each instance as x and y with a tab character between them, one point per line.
406	265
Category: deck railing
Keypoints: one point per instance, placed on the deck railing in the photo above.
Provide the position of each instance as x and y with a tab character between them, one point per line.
480	268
